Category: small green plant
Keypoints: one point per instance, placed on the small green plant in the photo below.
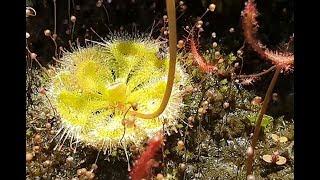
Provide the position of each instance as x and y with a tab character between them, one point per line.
266	120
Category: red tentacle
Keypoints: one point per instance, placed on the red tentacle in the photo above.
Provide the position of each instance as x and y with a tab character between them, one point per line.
143	165
250	28
205	67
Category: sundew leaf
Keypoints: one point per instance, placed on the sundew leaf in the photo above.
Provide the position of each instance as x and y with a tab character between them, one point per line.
94	89
266	120
224	81
231	58
223	89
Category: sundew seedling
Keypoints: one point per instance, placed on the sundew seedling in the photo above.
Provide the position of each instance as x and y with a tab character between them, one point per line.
158	90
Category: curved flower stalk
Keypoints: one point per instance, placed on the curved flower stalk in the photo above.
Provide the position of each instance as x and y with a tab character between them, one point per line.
172	64
95	87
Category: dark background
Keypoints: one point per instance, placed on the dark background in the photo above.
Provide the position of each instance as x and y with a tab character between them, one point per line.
276	20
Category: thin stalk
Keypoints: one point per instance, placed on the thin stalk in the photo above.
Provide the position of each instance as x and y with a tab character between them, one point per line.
124	126
172	64
55	16
56	47
69	10
199	128
192	29
258	74
105	9
259	119
73	25
54	112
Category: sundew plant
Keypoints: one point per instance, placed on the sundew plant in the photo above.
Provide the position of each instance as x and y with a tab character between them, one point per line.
159	90
95	88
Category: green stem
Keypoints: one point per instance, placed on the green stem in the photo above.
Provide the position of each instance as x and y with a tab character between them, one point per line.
259	119
172	64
